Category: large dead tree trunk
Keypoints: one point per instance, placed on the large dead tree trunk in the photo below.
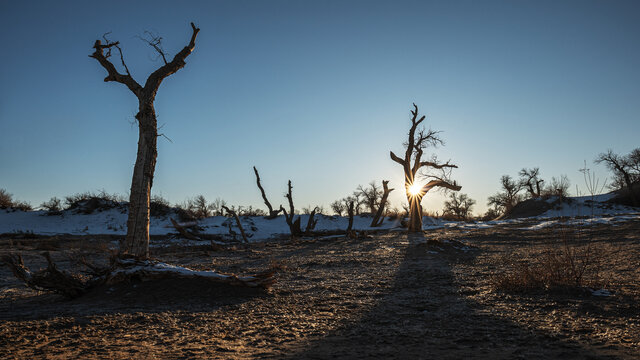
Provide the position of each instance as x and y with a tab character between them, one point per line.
378	218
137	240
412	163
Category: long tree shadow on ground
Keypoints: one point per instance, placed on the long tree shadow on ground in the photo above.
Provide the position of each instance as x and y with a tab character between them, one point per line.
424	315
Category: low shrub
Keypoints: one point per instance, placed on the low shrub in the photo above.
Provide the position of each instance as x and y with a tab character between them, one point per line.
54	205
159	206
7	202
88	203
560	267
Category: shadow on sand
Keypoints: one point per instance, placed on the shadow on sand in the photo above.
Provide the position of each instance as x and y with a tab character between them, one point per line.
424	315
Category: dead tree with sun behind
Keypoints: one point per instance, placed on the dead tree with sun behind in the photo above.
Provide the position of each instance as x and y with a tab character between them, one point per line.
137	240
435	173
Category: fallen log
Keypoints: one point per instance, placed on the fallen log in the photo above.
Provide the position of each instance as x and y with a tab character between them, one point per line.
48	279
181	229
123	269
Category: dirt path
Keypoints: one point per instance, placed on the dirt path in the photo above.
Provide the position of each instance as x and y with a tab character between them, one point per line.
391	296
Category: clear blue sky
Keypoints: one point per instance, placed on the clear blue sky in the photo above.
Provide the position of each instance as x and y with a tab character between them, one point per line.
317	92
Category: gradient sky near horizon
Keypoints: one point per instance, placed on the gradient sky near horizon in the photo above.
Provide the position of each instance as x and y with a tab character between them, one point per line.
317	92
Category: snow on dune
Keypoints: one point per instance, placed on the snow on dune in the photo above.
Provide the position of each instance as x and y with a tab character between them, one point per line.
113	222
586	206
577	211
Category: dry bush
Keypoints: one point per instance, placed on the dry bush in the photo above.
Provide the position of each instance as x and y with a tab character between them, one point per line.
54	205
7	202
89	202
159	206
22	205
6	199
560	267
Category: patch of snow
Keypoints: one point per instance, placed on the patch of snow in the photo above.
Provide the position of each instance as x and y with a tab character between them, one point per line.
601	292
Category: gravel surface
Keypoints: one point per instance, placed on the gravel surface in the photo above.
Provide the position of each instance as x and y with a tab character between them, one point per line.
388	296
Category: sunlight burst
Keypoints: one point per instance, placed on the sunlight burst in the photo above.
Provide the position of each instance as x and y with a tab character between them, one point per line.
414	189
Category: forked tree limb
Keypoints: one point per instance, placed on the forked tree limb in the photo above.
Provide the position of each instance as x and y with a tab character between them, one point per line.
154	80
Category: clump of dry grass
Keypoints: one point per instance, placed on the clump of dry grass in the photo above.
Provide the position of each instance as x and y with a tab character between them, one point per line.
561	266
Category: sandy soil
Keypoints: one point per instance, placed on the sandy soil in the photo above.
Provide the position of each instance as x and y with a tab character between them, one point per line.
389	296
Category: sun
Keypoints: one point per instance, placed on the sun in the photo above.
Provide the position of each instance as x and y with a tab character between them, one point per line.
414	189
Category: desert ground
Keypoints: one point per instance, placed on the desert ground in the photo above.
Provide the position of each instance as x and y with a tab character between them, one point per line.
389	295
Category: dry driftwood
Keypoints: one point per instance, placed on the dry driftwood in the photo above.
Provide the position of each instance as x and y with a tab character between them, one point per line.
122	269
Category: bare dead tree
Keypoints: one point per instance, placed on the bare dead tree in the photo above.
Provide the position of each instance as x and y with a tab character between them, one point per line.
412	163
272	213
371	195
623	167
137	238
458	206
338	207
294	225
505	200
350	211
530	178
235	215
378	218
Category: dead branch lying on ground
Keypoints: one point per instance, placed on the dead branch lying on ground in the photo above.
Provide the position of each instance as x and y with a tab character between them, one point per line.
121	270
183	231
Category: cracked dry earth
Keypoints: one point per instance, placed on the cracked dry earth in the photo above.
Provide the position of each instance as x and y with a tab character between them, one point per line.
389	296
